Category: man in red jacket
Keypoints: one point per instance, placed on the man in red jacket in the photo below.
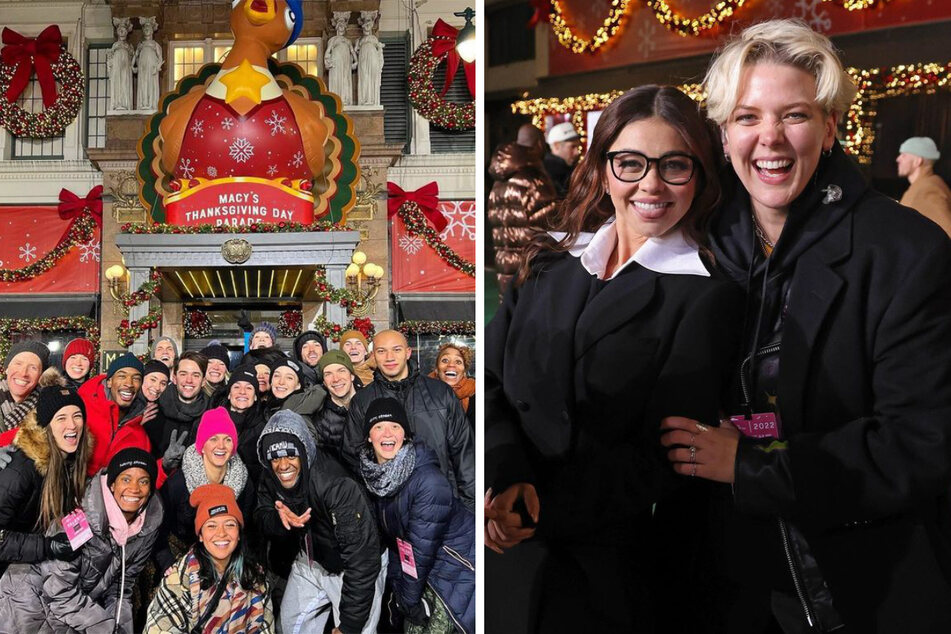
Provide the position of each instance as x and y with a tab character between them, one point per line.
108	398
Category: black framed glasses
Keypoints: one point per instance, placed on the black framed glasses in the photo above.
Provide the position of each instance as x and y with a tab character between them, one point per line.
674	168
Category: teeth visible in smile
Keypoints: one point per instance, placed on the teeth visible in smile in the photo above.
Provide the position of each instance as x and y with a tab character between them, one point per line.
286	476
70	435
388	443
773	165
221	544
125	394
220	453
451	373
131	500
649	206
21	382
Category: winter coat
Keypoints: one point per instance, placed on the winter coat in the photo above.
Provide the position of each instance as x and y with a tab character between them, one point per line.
249	425
560	172
21	485
85	595
364	371
465	392
521	202
306	402
857	493
329	423
424	513
436	417
931	197
180	515
102	420
13	413
180	602
174	415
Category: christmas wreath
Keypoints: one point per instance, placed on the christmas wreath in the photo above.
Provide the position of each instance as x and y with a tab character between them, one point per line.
423	95
197	324
290	323
53	65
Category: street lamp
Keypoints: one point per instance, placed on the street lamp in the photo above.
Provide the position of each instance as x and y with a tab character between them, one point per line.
363	278
466	40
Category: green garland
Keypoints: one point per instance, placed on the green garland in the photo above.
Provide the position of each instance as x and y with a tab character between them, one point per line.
80	231
326	292
258	227
328	329
426	99
148	289
48	324
438	328
128	332
416	225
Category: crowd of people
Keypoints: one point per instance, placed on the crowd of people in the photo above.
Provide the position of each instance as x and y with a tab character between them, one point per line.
289	493
718	387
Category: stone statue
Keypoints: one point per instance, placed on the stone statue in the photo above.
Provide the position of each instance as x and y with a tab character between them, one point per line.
119	67
341	60
147	63
369	62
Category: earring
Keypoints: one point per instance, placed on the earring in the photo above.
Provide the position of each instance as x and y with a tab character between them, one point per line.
726	157
827	153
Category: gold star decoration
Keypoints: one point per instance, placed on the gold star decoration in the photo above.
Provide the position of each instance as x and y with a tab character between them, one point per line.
246	82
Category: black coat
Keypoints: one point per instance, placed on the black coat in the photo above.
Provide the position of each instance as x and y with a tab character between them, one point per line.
329	423
436	417
575	390
864	395
20	487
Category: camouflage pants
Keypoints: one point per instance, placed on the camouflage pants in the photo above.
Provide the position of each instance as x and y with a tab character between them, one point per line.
439	621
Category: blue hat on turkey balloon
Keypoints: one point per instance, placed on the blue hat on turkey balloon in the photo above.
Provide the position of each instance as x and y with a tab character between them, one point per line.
296	8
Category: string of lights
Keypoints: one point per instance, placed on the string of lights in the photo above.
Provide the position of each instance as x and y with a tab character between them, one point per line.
682	26
610	27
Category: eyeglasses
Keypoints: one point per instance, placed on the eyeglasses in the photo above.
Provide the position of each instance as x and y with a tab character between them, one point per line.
674	168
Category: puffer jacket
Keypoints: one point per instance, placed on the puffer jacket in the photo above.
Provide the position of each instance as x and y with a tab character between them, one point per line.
21	485
180	515
436	417
12	413
102	419
424	513
180	602
84	595
329	423
522	201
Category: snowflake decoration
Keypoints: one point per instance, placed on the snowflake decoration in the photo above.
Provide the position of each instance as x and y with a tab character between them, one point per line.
276	122
271	170
198	128
28	252
186	168
811	12
89	251
241	150
646	35
411	244
461	218
212	171
297	160
227	123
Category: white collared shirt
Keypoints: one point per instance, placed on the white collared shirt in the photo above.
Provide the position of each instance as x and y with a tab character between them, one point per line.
670	253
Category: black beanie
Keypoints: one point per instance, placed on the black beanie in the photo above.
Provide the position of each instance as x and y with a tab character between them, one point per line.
36	347
129	458
52	399
386	410
304	337
245	373
156	366
279	444
290	363
128	360
219	352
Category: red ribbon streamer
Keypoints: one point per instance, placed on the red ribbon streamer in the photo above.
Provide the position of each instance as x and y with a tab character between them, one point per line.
29	53
72	206
542	13
427	197
444	43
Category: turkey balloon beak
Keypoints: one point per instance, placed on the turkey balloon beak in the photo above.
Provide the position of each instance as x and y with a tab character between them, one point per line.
260	11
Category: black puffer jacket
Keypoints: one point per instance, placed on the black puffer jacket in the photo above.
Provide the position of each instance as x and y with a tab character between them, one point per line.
329	423
437	418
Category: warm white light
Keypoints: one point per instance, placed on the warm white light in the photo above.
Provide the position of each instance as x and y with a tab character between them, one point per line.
353	270
467	48
115	272
359	257
378	272
53	346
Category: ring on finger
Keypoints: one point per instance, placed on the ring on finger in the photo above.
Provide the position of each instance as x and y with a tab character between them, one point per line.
693	454
702	428
694	472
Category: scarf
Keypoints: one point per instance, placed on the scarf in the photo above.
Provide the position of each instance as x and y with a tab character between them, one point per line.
464	389
122	531
384	479
193	468
11	412
174	408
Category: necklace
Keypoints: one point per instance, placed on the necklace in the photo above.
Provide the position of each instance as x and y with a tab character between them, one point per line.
761	235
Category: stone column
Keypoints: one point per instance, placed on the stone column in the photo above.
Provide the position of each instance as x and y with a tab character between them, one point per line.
337	278
138	276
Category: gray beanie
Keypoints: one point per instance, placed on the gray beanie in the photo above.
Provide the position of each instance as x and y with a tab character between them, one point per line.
36	347
168	339
268	329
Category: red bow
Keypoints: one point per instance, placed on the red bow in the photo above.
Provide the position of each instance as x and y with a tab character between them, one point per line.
542	12
427	197
72	206
444	43
28	53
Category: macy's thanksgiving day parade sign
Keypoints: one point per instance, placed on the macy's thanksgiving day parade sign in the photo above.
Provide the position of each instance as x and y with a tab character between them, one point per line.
250	140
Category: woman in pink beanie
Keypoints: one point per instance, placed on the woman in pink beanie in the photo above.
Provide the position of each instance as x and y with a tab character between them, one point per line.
213	459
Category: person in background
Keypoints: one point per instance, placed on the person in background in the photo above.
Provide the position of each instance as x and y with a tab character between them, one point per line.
354	343
565	145
217	586
418	511
264	336
26	368
339	381
288	393
92	593
262	359
927	194
78	359
452	368
45	479
219	363
165	350
435	412
522	199
310	500
309	346
109	400
212	459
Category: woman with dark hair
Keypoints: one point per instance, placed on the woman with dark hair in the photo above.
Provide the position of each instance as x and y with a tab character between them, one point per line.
601	336
839	466
453	361
217	587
